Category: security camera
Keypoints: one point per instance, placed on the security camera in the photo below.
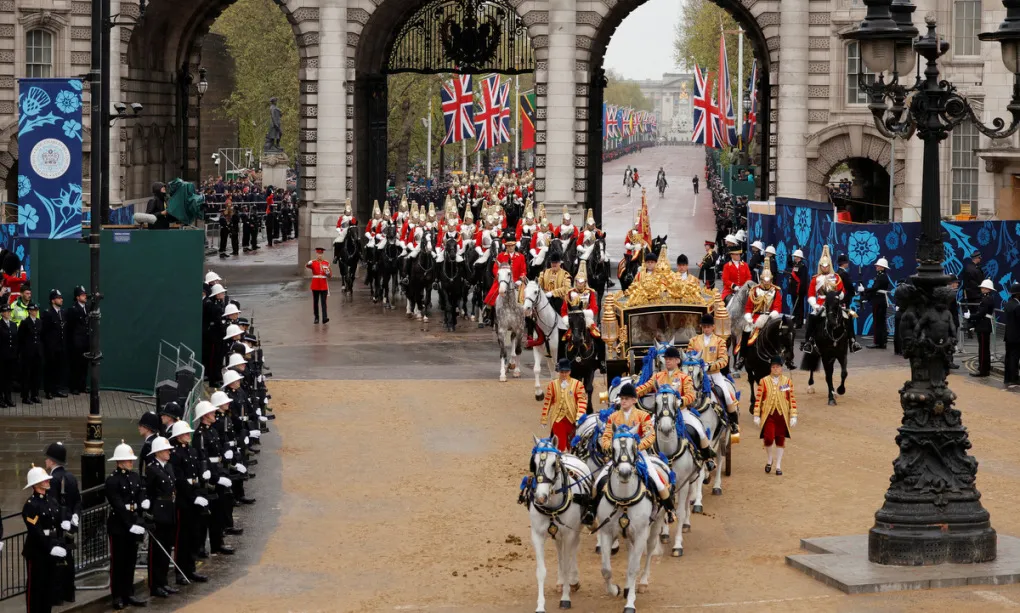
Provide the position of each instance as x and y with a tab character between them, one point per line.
120	107
215	156
136	107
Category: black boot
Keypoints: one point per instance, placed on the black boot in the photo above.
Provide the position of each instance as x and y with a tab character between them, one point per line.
707	453
591	510
733	417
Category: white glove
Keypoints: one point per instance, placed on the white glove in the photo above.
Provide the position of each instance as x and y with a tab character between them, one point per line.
263	418
65	526
517	283
258	411
813	302
747	317
58	552
206	475
136	529
309	263
202	502
860	287
254	434
241	469
74	520
548	294
757	420
225	482
966	314
228	454
246	440
146	504
793	422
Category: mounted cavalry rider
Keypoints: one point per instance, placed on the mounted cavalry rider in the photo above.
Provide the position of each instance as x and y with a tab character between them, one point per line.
821	284
451	232
540	245
526	226
591	229
628	416
401	215
583	297
406	232
347	220
764	303
511	259
635	241
566	230
711	349
735	273
565	403
676	379
374	226
468	229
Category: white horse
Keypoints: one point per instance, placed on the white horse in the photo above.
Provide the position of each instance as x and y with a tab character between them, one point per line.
627	509
509	325
628	182
547	320
669	442
556	478
710	409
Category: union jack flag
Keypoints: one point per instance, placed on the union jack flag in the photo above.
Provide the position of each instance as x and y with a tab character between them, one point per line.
751	121
503	134
458	109
706	112
612	129
727	120
488	119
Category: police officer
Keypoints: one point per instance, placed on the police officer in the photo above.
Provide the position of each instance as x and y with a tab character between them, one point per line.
78	341
19	309
8	355
797	287
44	547
981	319
127	498
159	486
54	346
190	504
878	295
64	492
170	414
149	427
207	441
30	353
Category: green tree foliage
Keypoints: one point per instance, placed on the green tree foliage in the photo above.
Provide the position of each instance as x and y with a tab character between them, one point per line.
622	92
262	44
696	42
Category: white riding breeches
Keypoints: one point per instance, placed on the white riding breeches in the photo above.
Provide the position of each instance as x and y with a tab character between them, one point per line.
654	474
690	418
729	393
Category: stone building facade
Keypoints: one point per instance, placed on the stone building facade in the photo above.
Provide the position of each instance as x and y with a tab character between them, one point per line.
672	104
812	118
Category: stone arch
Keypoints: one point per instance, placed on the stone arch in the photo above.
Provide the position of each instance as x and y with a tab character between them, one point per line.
155	76
592	28
829	147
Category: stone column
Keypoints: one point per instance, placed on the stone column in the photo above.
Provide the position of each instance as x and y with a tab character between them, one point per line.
318	218
559	107
793	100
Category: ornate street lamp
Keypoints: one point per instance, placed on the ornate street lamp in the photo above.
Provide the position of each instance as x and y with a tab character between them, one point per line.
932	512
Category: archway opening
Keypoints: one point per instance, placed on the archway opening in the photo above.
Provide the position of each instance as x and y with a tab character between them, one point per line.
405	57
860	186
674	104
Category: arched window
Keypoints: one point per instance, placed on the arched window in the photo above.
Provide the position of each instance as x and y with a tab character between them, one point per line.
38	54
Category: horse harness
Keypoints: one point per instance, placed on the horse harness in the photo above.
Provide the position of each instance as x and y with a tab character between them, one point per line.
528	495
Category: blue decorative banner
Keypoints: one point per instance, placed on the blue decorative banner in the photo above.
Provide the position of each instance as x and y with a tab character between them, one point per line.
808	225
50	144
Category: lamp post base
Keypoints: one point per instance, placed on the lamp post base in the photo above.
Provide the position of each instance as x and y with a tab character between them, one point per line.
929	544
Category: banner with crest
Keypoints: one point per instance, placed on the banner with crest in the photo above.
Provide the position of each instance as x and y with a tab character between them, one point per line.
50	169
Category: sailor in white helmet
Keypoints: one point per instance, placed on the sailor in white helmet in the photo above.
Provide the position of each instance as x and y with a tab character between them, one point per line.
124	525
191	504
213	308
159	490
211	278
44	541
207	441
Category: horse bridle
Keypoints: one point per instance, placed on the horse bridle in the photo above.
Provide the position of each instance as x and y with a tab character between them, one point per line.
588	347
838	324
764	348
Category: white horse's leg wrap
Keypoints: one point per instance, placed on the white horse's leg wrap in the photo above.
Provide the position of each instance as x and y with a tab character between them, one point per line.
695	423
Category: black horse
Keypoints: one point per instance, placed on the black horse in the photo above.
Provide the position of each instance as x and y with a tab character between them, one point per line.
370	255
630	267
567	250
596	270
832	340
482	279
346	255
421	278
452	276
512	209
581	348
387	267
775	338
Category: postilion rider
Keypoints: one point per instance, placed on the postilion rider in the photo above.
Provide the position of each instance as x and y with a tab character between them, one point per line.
679	381
629	416
711	348
775	410
565	402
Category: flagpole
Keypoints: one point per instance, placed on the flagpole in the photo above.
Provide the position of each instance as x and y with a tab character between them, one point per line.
463	156
517	122
740	79
428	152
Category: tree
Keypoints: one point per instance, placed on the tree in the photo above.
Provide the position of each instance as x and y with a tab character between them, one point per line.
266	65
696	42
622	92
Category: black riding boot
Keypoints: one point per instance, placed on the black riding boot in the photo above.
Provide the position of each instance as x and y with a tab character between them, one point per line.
808	346
733	417
707	453
738	363
854	345
591	509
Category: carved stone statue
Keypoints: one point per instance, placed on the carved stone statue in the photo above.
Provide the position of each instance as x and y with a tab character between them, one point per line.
275	132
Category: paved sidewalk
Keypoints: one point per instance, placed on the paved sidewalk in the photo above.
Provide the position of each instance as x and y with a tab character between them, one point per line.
115	405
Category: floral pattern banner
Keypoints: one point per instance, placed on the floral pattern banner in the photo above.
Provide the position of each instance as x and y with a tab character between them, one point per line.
50	172
808	226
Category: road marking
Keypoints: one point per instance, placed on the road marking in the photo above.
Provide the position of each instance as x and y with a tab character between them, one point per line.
996	597
742	603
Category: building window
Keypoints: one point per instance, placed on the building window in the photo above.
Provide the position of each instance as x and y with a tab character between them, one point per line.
966	26
38	54
965	167
854	95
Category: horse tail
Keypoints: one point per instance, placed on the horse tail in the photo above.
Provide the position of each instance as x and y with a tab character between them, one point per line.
809	362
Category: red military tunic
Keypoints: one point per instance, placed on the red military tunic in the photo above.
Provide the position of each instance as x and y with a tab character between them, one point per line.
776	305
734	274
818	281
14	282
320	273
350	219
589	300
518	269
